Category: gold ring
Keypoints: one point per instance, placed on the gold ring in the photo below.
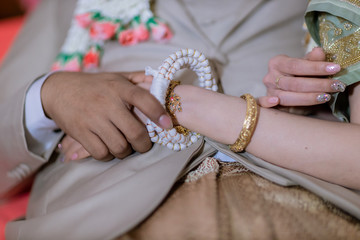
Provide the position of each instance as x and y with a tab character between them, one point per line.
277	80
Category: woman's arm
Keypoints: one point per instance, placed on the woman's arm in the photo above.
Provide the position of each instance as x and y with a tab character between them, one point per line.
324	149
327	150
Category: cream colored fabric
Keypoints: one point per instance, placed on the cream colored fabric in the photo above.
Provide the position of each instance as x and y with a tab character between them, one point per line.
93	200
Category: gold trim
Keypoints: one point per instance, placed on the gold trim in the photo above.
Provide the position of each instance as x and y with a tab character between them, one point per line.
344	51
353	2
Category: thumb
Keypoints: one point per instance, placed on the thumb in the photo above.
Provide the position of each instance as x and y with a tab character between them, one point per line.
149	106
268	101
316	54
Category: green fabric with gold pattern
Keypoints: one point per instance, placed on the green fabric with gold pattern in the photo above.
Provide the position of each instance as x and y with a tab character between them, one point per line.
335	25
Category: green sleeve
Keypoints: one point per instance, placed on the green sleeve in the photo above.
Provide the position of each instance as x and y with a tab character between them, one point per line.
334	25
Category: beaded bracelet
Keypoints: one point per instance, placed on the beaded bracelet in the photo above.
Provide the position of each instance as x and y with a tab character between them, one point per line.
248	126
194	60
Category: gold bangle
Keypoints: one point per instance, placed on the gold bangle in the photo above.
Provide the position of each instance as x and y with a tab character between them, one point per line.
173	105
248	126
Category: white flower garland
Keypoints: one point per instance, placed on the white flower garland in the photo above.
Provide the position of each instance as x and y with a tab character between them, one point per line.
78	38
193	60
96	21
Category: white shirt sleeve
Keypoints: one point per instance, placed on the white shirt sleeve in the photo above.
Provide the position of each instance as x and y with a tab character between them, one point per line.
40	134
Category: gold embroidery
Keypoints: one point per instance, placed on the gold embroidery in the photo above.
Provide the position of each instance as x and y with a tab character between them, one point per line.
344	50
347	26
353	2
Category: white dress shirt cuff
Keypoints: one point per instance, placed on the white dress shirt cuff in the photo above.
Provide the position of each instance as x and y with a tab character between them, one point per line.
37	124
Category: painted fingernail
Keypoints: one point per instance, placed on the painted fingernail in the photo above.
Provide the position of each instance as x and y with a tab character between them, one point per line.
59	146
333	68
338	86
165	121
273	100
74	156
62	159
323	97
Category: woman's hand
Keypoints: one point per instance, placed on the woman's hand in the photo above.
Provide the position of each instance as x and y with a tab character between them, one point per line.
300	82
72	150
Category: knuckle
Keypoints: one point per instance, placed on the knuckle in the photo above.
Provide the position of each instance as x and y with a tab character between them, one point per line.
145	147
124	153
134	93
137	134
317	68
120	149
296	86
100	153
267	80
293	65
275	61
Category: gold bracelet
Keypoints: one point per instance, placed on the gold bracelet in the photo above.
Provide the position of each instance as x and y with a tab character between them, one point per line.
173	105
248	126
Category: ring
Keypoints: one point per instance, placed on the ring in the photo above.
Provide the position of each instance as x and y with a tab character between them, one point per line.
277	80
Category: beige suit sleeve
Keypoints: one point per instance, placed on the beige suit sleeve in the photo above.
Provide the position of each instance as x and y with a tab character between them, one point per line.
31	55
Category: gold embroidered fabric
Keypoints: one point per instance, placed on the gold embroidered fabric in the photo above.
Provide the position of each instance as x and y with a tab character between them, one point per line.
238	204
353	2
340	40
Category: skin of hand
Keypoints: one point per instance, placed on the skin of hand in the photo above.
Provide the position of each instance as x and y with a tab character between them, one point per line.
283	139
325	149
300	81
95	110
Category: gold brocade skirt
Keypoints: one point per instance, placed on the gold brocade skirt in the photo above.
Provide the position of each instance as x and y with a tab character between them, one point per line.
234	203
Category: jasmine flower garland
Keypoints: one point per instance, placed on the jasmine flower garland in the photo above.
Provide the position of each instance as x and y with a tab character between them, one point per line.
96	21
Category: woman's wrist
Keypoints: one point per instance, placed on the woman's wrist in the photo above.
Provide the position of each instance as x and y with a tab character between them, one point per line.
212	114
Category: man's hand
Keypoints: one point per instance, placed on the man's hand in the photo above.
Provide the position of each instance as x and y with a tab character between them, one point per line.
300	82
95	109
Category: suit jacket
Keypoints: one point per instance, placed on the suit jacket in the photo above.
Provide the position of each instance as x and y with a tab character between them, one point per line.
95	200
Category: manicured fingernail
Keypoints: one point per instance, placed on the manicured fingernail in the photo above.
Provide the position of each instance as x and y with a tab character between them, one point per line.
59	146
62	159
165	121
333	68
74	156
323	97
273	100
338	86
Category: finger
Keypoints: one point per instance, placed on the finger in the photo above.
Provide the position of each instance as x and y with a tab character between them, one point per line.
145	85
114	139
300	99
134	131
95	146
139	115
302	67
65	144
137	77
149	105
71	152
308	85
77	154
316	54
268	101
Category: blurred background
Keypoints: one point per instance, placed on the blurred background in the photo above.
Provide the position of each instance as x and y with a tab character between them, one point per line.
12	16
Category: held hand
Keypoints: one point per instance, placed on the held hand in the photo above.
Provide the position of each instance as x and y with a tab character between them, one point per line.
72	149
95	109
300	82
